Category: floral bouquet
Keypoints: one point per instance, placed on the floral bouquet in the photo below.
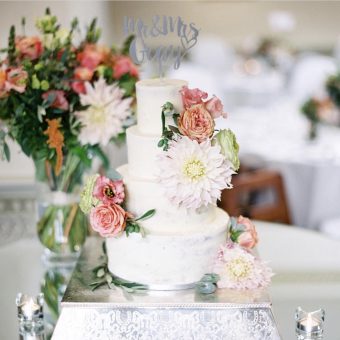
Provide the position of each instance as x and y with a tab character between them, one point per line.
325	109
198	162
62	103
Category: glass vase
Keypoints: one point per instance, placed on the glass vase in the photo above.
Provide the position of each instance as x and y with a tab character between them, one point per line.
62	227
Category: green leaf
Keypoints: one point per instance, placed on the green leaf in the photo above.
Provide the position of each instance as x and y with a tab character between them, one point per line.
146	215
7	152
126	45
174	129
160	143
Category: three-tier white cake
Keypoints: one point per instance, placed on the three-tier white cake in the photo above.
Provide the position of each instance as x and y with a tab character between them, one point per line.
180	246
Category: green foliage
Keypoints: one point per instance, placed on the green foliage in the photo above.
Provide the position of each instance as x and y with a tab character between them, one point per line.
333	89
310	110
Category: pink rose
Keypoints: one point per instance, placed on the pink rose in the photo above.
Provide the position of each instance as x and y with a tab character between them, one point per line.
16	79
215	107
108	220
60	102
78	86
29	47
93	55
192	96
124	65
109	191
196	123
248	239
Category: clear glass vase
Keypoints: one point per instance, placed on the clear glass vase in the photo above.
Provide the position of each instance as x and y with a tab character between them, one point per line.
62	227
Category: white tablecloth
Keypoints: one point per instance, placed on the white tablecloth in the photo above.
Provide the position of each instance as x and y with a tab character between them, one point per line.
276	136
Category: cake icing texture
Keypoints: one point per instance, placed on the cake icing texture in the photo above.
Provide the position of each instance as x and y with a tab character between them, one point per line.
180	245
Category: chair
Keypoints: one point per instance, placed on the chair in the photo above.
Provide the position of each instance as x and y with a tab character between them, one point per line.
257	194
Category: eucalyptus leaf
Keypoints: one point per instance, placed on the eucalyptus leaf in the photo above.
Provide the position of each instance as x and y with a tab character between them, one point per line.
7	152
146	215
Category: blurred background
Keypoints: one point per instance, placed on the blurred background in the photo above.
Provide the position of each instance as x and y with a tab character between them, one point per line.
275	66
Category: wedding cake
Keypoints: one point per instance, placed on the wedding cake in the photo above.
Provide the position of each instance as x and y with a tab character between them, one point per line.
180	244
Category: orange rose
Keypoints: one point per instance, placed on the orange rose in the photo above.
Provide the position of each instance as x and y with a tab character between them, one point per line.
196	123
29	47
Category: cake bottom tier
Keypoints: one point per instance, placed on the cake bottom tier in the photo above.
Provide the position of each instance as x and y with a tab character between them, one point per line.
167	262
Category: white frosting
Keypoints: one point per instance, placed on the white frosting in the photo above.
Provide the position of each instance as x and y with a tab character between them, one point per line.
152	94
180	247
142	153
167	259
143	195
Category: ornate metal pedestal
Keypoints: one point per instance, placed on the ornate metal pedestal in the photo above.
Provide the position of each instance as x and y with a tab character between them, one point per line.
113	314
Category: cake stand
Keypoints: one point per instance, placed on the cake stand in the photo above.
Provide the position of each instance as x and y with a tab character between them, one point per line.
114	314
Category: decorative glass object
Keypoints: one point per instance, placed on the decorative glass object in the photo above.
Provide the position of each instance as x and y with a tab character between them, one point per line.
30	316
309	326
62	227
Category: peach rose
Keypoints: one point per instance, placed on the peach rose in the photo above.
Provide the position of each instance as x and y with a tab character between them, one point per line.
248	239
192	96
108	220
124	65
29	47
78	86
215	107
196	123
83	73
92	56
16	79
60	102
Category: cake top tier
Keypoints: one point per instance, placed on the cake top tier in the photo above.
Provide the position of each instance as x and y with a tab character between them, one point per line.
152	94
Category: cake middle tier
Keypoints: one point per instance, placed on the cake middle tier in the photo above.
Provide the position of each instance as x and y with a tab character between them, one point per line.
143	195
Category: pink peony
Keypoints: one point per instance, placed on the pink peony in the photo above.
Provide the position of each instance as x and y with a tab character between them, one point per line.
93	55
248	239
196	123
215	107
60	102
109	191
29	47
124	65
16	79
108	220
192	96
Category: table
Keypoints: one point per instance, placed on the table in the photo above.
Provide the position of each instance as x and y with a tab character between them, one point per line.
306	264
276	137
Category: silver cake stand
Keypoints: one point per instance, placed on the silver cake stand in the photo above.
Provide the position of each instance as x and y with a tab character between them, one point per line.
165	315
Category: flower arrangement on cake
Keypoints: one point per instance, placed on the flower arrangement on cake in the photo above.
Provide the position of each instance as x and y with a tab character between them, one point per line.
197	162
63	103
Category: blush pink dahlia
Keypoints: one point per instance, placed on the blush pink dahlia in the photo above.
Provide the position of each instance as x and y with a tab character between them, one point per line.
109	191
108	220
106	112
239	269
192	174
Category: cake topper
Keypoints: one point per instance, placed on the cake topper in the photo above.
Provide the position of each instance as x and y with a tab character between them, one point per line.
165	41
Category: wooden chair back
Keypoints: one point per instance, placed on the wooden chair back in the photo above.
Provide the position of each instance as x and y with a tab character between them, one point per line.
245	197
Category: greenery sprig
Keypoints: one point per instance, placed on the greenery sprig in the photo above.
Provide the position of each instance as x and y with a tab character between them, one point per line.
133	227
168	132
103	277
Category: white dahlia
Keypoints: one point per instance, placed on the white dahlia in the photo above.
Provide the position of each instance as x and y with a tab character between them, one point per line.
239	269
106	112
192	174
